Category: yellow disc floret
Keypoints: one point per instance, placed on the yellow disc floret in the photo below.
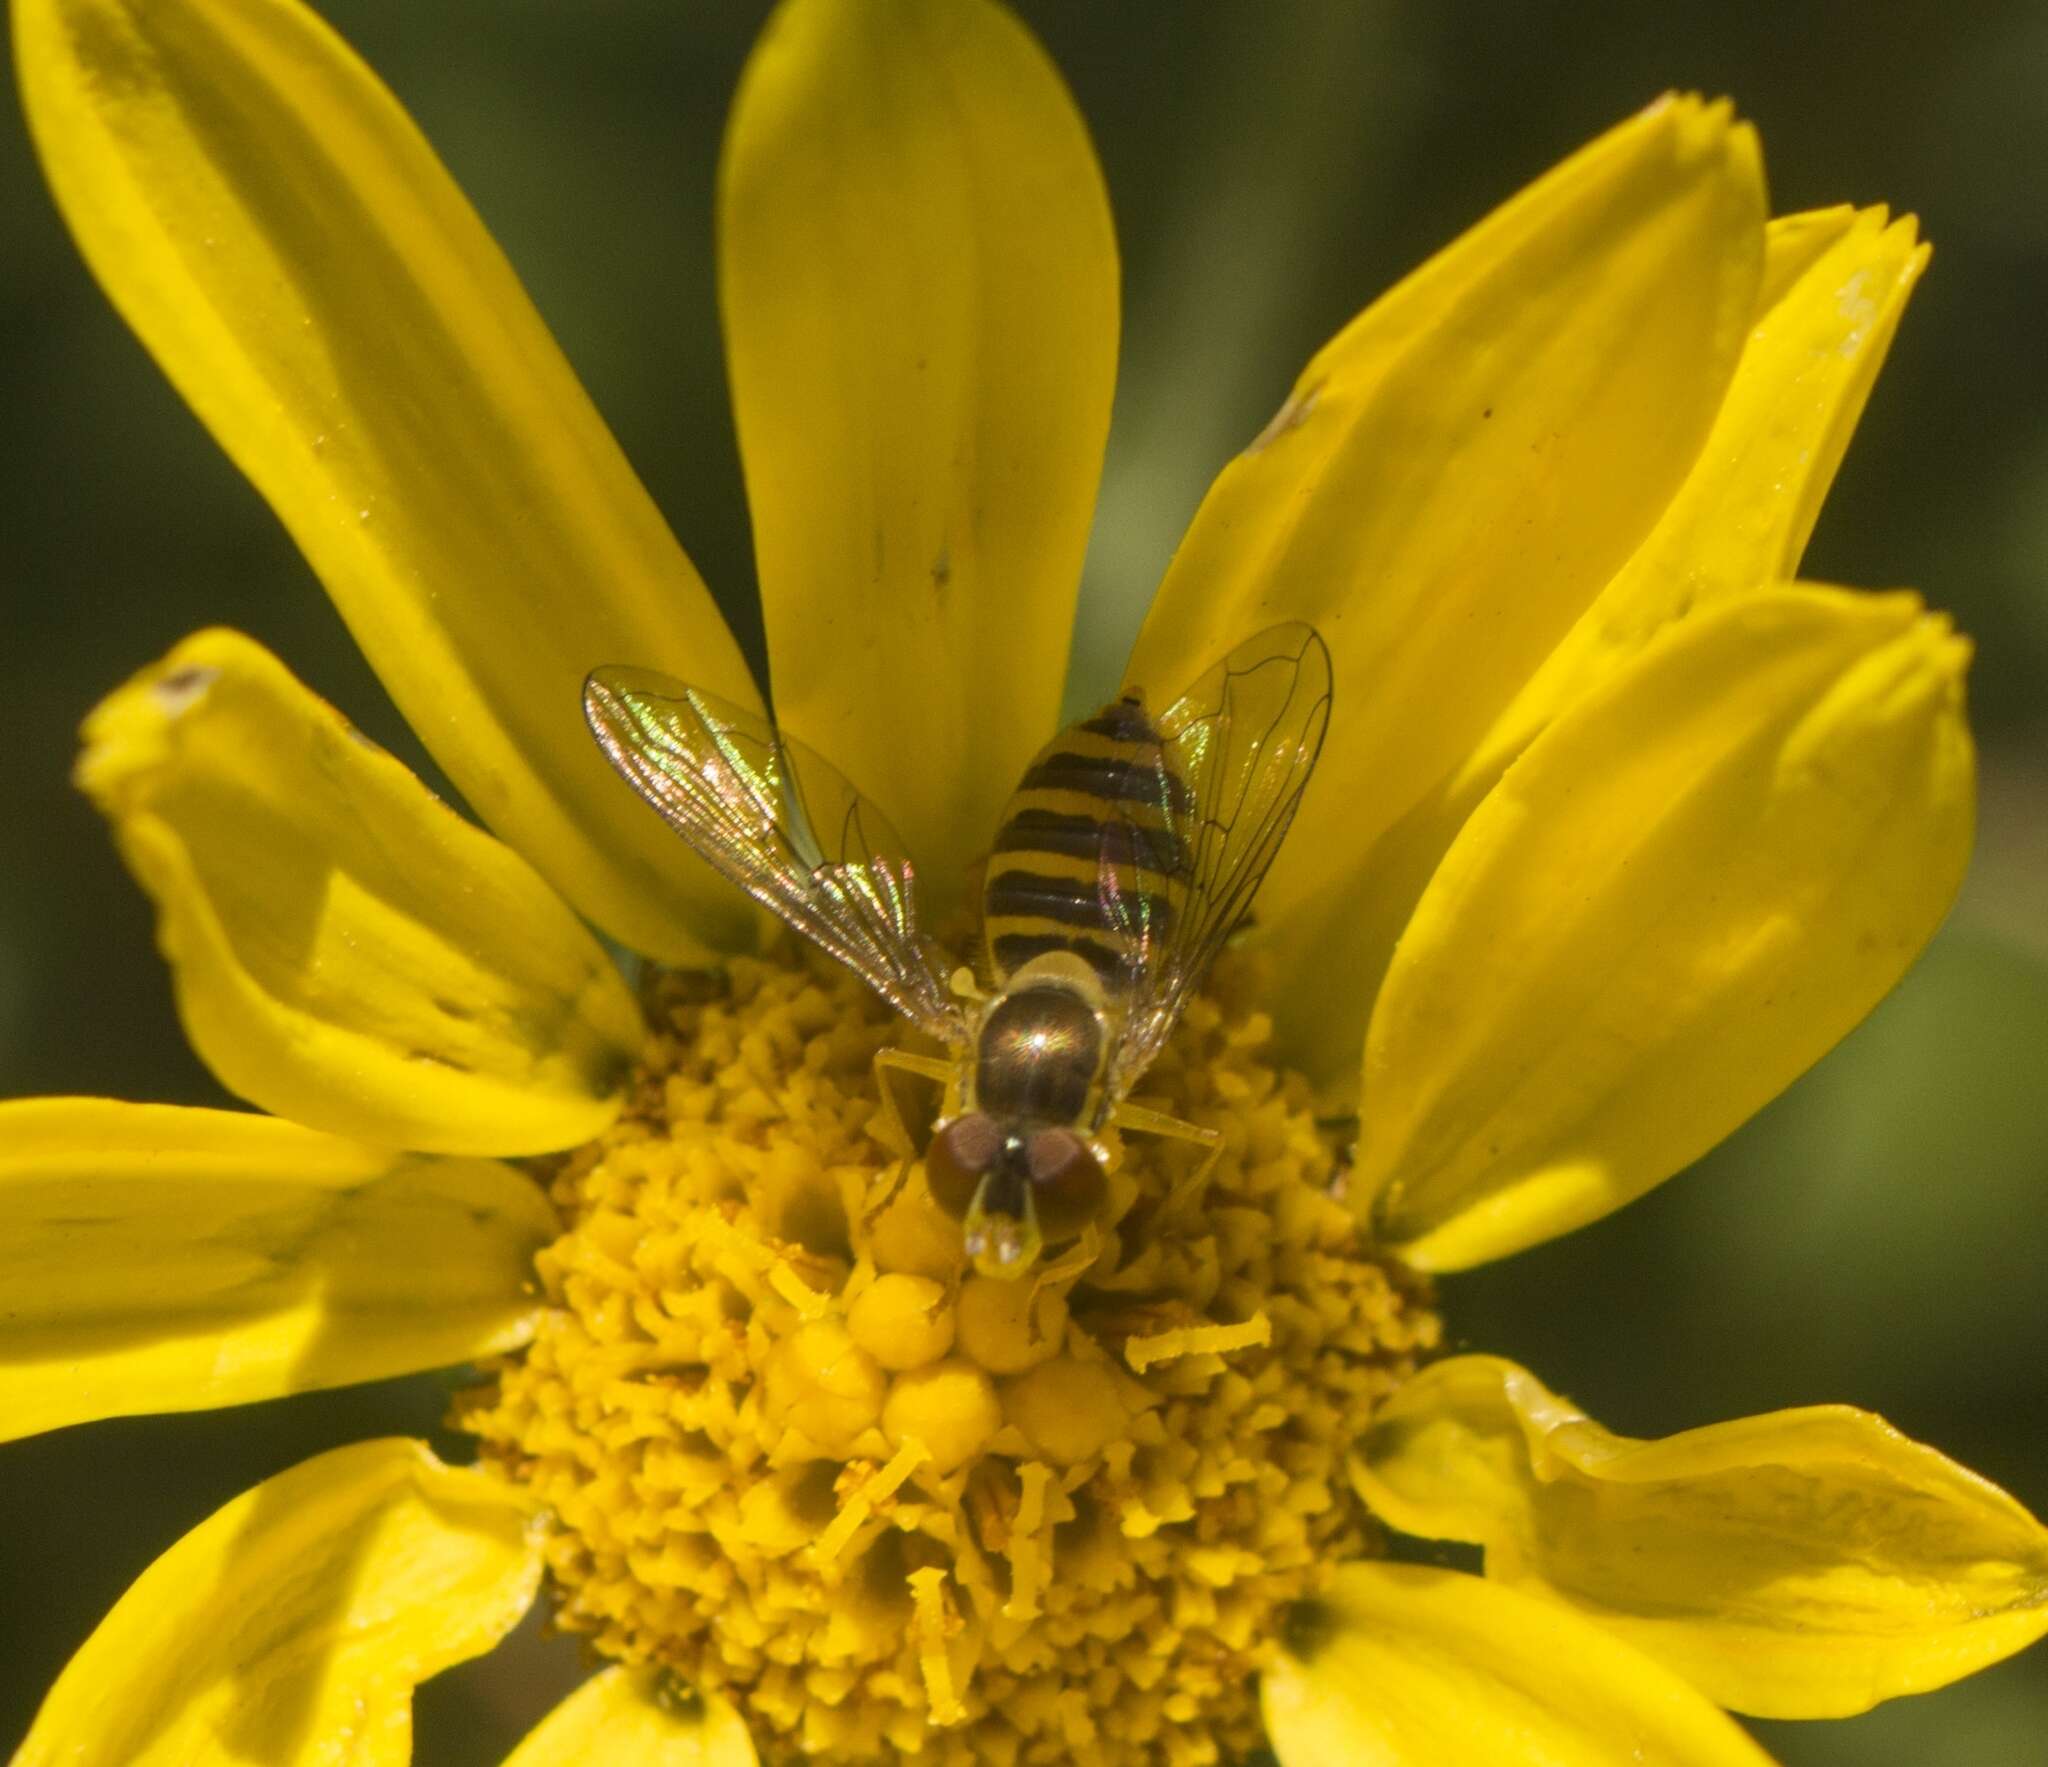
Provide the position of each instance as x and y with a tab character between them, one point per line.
949	1409
903	1321
1009	1326
799	1454
1067	1409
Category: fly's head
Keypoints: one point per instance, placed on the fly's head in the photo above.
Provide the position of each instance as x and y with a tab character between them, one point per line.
1014	1185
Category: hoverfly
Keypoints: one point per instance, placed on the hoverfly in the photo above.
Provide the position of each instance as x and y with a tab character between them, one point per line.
1127	855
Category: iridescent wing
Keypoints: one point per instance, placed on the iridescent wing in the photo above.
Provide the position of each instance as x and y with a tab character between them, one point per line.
1235	754
782	823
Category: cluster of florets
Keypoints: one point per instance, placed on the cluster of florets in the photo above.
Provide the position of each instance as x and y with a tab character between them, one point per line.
799	1454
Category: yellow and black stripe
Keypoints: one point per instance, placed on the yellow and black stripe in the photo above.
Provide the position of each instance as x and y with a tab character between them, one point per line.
1101	795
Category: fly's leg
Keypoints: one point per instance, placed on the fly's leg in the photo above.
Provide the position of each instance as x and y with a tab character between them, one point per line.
922	1067
1149	1122
1065	1270
896	1132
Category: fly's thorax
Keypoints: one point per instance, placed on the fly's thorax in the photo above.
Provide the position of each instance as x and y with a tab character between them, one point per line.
1018	1165
1041	1046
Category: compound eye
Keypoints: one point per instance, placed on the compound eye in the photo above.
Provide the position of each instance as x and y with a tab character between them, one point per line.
959	1156
1066	1182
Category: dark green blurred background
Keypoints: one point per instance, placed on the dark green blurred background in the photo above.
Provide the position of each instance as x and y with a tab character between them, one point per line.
1879	1236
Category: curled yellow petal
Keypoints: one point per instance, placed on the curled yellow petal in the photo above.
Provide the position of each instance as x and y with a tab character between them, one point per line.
1407	1666
1456	475
1678	898
348	952
636	1718
162	1259
274	227
1792	243
1837	285
292	1626
1743	516
919	284
1802	1564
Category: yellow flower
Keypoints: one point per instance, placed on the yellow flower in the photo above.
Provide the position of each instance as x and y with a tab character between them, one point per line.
1617	829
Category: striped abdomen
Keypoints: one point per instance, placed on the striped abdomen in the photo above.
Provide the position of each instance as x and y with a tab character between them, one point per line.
1100	797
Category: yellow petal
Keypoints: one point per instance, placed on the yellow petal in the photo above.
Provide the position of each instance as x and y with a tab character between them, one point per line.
919	284
1792	243
1743	516
1803	1564
302	266
636	1718
1738	523
1456	475
1683	893
348	951
161	1259
291	1627
1406	1666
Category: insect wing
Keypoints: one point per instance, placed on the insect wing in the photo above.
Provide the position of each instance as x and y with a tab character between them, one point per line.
1236	752
782	823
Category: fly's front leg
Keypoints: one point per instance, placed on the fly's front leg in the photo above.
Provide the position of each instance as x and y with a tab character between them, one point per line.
1149	1122
896	1130
922	1067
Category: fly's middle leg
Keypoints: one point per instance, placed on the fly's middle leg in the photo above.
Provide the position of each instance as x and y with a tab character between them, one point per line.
1150	1122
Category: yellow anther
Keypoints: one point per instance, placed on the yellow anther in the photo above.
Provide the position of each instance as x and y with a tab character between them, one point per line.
935	1623
855	1512
1028	1548
1198	1340
902	1321
798	1293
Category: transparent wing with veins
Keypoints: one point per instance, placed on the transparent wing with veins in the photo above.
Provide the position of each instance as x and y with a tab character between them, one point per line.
1234	756
781	822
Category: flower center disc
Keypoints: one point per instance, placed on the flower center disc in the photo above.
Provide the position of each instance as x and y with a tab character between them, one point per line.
799	1456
